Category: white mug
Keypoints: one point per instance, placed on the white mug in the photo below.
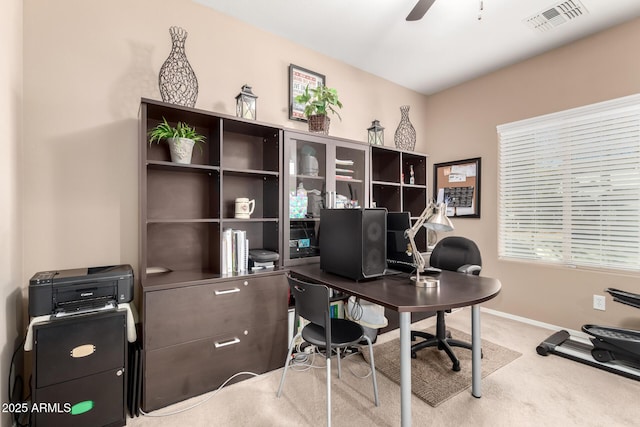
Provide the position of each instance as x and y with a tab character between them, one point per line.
244	207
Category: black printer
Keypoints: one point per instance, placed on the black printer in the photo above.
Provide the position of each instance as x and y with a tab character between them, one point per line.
79	289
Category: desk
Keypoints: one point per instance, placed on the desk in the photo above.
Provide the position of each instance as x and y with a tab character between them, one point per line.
397	293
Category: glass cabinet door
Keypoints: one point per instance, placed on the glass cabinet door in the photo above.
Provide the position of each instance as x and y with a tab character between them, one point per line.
321	172
349	179
305	189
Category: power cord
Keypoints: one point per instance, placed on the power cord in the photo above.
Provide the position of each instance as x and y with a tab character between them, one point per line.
303	361
195	405
17	390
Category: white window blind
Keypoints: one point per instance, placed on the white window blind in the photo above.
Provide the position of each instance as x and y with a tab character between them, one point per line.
569	187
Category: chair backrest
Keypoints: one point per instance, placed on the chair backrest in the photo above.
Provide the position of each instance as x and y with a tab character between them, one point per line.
453	252
312	302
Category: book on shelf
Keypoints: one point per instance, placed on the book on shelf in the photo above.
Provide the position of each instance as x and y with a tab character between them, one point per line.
336	310
235	251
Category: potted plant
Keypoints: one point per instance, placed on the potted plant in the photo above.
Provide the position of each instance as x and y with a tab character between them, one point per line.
180	138
318	103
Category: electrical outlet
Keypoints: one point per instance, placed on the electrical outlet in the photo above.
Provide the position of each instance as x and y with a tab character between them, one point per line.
599	302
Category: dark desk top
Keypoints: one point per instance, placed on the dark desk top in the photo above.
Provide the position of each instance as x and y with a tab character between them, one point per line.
397	293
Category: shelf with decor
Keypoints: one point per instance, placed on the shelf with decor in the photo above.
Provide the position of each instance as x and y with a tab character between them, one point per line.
187	206
391	185
192	308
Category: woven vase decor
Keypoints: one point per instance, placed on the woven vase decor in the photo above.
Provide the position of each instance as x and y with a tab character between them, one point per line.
405	137
178	82
319	123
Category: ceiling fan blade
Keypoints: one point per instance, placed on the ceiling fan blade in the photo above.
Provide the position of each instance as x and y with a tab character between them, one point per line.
419	10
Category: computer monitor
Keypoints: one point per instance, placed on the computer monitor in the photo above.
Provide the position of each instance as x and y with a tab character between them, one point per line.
398	246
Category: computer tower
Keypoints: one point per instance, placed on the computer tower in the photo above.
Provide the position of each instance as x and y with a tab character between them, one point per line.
353	242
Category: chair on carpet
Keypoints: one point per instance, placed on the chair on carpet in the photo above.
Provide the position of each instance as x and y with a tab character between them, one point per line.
312	304
453	253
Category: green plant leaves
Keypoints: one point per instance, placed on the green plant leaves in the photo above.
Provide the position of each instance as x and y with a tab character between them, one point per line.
320	100
182	130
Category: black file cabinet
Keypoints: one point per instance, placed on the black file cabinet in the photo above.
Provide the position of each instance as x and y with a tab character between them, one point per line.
79	371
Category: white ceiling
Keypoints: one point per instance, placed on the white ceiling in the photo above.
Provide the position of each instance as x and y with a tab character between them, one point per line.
448	46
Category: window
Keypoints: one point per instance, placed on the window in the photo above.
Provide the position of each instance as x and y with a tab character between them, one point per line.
569	187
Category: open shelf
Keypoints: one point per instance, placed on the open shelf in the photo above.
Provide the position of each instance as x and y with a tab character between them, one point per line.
184	207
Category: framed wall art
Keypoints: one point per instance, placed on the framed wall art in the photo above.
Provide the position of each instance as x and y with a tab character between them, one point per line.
299	79
458	184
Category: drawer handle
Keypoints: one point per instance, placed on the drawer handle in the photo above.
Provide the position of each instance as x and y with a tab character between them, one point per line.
82	350
226	343
227	291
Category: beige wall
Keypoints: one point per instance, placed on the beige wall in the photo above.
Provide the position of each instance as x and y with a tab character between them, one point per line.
10	223
461	123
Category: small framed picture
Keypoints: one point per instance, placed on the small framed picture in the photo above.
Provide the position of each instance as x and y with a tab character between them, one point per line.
458	184
299	79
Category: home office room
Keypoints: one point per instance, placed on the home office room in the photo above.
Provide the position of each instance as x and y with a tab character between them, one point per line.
458	245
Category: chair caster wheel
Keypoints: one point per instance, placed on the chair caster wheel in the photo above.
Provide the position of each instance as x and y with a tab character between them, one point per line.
413	355
456	367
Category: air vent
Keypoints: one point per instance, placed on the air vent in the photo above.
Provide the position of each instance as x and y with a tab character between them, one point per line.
556	15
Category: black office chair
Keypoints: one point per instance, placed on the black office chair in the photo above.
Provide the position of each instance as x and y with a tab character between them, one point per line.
312	304
454	254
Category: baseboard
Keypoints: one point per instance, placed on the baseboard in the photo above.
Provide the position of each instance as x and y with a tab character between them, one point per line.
555	328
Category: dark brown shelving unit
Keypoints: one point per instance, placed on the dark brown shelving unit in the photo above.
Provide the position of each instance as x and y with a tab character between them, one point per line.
390	187
215	324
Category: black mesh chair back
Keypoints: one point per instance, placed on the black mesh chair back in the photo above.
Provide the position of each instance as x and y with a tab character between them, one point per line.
453	252
312	303
458	254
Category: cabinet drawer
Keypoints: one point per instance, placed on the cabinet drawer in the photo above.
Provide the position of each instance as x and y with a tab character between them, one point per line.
179	372
71	348
179	315
94	400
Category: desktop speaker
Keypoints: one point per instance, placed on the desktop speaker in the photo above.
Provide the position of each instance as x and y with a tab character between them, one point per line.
353	242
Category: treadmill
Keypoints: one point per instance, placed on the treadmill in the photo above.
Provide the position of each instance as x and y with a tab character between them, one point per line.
616	350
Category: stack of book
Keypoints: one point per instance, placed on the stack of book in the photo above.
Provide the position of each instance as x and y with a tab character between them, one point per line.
336	309
235	251
342	170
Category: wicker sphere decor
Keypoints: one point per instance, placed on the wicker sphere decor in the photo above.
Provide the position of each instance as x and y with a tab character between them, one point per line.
178	82
405	136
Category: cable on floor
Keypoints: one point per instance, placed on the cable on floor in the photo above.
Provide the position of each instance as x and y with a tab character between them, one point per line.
195	405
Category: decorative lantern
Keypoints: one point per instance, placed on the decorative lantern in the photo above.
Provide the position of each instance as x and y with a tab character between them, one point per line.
246	103
376	133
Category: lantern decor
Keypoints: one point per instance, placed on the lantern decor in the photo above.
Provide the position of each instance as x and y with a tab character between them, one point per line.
376	133
246	103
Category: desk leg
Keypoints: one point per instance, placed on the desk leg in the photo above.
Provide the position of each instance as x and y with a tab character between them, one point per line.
405	369
476	352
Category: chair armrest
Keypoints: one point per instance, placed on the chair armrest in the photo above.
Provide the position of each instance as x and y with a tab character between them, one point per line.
470	269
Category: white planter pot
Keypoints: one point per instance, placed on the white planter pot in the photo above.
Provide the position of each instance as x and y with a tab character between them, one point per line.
181	149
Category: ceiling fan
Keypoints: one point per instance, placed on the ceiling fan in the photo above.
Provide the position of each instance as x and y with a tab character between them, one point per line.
419	10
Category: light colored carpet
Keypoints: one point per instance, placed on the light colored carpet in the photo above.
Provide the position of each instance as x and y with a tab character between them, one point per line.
531	391
432	379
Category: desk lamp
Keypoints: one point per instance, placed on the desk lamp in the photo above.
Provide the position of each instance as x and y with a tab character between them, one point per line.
433	217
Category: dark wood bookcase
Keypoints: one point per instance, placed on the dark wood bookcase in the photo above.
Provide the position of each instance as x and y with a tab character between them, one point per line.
390	187
214	324
184	208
